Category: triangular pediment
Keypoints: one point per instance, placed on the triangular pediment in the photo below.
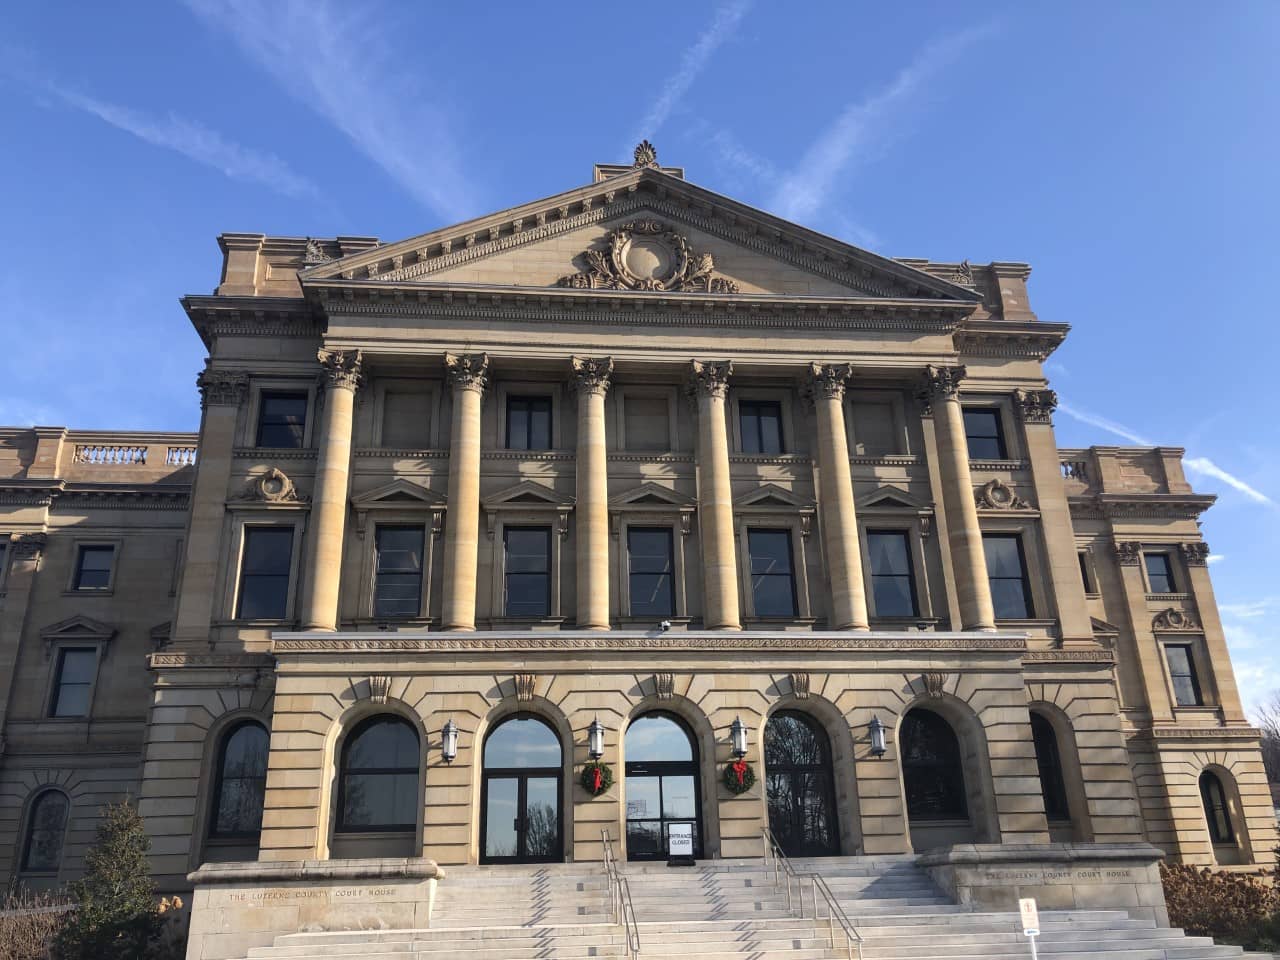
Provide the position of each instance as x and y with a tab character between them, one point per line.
1103	629
651	494
772	496
78	627
401	493
525	494
891	498
632	231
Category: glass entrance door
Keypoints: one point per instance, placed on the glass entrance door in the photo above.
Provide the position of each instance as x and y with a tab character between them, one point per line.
520	794
661	785
802	802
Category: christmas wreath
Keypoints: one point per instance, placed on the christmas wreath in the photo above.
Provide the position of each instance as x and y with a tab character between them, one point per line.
739	776
596	777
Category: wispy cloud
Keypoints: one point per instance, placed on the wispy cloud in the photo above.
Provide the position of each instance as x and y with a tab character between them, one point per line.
1251	610
728	16
334	60
863	128
1205	466
1102	423
1215	558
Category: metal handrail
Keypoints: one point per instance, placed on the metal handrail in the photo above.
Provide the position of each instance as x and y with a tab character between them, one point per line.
624	913
817	885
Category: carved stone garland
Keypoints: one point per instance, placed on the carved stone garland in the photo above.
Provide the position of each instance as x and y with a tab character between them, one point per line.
274	486
1175	620
648	255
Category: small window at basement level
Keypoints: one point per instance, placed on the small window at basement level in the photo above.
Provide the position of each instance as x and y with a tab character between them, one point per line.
397	590
773	584
264	573
93	567
74	682
984	433
528	423
282	420
892	582
527	571
649	556
760	422
1182	672
1007	574
1159	573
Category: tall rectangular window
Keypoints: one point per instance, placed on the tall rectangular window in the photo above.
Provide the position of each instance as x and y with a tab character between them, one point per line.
892	581
1085	576
282	419
760	422
264	573
527	571
1182	671
93	567
528	423
773	582
646	423
1007	574
397	588
649	555
406	419
1159	573
74	680
984	434
874	431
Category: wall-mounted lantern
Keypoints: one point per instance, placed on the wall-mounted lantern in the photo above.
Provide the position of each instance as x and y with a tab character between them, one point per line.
878	748
595	739
738	737
449	741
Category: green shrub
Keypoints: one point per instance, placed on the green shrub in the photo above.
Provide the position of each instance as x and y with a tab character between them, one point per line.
1230	907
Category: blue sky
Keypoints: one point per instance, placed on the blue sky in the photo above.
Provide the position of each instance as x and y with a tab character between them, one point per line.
1127	151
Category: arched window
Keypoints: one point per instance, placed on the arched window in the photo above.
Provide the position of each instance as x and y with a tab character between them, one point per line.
242	782
520	793
378	777
798	784
931	768
1215	809
661	784
1049	760
46	829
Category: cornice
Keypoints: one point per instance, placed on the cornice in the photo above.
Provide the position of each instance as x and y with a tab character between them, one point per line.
221	661
30	493
1068	656
1009	465
1140	506
262	454
61	494
390	452
1203	733
1009	339
215	316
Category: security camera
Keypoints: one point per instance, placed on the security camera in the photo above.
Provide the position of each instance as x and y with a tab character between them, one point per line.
665	626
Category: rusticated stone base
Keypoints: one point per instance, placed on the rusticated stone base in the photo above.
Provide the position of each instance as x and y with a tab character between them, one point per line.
1060	876
239	906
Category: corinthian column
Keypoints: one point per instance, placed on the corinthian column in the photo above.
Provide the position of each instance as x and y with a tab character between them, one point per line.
839	522
964	536
591	382
468	374
710	382
329	500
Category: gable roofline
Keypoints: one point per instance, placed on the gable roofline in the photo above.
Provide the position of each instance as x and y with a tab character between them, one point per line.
730	219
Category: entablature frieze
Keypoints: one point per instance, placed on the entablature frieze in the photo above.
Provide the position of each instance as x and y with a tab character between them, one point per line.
1010	340
1140	506
215	316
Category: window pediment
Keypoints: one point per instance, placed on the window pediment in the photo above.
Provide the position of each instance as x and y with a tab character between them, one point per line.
525	495
399	493
888	498
77	629
651	496
771	498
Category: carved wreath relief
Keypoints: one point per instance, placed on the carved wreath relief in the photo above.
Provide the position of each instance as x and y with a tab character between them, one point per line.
648	255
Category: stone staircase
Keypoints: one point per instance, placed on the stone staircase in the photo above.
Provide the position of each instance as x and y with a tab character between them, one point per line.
732	910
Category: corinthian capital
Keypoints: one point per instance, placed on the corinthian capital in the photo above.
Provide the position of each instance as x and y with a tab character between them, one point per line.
591	374
1036	406
710	378
943	382
222	388
467	371
341	368
828	380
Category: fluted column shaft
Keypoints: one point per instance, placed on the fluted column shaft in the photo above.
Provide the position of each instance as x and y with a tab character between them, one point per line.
329	497
591	381
715	498
839	519
468	374
964	535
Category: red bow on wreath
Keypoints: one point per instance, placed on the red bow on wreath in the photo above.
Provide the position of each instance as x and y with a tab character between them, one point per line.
597	779
740	769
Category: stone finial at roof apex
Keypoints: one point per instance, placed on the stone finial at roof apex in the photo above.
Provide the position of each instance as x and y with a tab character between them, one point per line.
646	155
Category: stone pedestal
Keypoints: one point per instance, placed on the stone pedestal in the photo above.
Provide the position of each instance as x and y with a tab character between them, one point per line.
239	906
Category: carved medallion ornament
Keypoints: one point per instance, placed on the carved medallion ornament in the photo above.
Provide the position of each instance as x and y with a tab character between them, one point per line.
828	380
1173	619
1194	554
591	374
646	155
1036	406
468	371
1128	552
710	378
341	368
943	382
998	495
28	546
222	388
271	487
648	255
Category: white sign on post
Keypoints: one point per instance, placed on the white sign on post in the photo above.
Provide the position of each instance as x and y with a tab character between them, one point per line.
1030	921
680	840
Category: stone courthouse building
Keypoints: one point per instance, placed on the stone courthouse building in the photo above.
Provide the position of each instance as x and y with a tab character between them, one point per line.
635	454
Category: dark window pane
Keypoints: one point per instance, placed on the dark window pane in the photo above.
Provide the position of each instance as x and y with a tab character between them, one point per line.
46	829
76	669
1049	762
1159	573
282	419
93	568
397	588
772	582
892	581
529	423
649	552
1007	574
523	742
1182	671
1084	572
379	777
264	573
657	738
760	423
528	571
1215	809
242	782
931	768
984	433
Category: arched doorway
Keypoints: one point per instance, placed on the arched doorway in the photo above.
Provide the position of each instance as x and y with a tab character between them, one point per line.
520	793
933	778
661	784
799	785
